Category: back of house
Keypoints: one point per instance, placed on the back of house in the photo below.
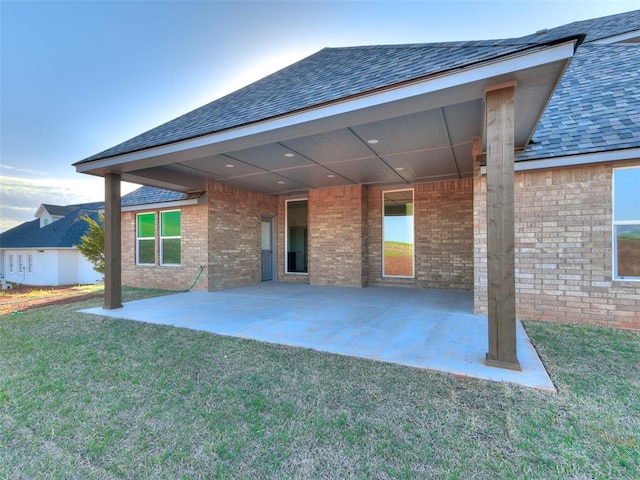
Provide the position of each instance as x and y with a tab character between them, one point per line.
367	166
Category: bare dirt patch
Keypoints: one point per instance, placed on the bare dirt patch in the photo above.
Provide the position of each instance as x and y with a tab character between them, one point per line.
24	297
629	258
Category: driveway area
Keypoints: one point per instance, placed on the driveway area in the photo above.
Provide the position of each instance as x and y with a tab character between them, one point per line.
432	329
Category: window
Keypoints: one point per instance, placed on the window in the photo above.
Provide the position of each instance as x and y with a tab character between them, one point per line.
11	264
46	222
170	238
30	263
146	239
20	263
297	236
397	234
626	224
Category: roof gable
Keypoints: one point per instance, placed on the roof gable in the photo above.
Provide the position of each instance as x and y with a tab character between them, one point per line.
57	210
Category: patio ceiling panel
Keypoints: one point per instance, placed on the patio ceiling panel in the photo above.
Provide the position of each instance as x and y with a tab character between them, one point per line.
367	171
268	183
220	166
330	147
270	157
315	176
424	164
421	130
464	121
464	158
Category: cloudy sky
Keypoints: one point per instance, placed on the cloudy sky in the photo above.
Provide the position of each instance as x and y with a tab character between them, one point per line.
78	77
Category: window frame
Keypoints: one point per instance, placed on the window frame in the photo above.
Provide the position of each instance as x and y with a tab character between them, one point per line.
413	234
11	264
139	238
30	264
168	237
21	268
286	235
618	223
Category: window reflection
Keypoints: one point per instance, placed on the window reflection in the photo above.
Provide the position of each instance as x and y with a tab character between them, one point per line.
397	233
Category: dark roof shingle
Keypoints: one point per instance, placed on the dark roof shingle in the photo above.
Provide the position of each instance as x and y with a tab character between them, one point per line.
148	195
596	107
63	233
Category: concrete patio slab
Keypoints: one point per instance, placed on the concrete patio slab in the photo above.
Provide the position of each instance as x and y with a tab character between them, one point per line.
432	329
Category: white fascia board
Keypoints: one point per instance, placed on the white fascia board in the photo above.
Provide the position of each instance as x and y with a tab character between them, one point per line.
491	69
574	160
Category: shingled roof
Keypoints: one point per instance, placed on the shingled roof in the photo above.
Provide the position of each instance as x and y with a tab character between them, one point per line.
330	75
150	195
63	233
596	108
596	28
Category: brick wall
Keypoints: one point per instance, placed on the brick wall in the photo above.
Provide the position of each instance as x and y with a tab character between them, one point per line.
234	231
443	224
337	226
193	225
563	249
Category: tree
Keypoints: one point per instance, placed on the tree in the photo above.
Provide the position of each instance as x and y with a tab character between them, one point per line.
92	246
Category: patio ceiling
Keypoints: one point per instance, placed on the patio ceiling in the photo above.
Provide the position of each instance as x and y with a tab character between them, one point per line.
416	132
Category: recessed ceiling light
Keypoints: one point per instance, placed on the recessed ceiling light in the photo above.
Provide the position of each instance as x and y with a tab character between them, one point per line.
281	182
229	165
289	155
373	141
399	169
330	176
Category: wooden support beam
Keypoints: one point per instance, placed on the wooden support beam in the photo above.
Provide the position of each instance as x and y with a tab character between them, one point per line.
499	104
112	240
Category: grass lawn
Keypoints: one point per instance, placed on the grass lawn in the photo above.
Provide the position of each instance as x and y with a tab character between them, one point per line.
88	397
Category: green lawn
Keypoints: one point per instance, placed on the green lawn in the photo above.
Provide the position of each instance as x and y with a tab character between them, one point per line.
90	397
397	249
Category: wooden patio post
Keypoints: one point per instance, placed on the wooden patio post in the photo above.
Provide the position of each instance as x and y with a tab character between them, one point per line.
499	105
112	232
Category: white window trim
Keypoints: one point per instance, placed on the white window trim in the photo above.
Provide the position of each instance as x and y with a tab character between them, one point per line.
138	238
614	224
286	235
169	238
413	232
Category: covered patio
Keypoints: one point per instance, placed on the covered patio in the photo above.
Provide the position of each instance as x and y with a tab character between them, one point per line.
332	127
431	329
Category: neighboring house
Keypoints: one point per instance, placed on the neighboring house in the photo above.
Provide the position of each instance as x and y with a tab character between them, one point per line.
385	166
42	252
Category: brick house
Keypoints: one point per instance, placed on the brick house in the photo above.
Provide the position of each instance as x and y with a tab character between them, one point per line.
504	167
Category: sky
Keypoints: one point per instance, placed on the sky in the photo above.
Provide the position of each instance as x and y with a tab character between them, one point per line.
78	77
